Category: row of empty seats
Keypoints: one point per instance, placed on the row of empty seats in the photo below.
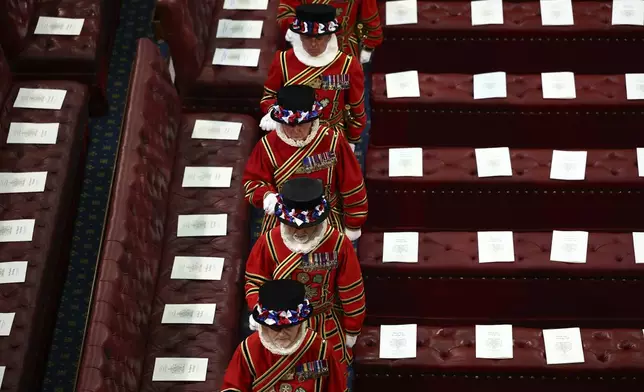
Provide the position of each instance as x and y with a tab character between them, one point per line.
43	135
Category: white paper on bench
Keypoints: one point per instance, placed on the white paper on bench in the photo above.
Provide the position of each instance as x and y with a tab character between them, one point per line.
402	84
628	12
400	247
189	314
197	268
243	57
634	86
568	165
406	162
493	162
18	230
32	133
171	70
494	341
180	369
569	246
247	29
2	370
487	12
563	345
495	246
28	182
207	177
490	85
216	130
398	341
556	13
202	225
6	322
40	98
13	272
638	247
246	4
558	85
401	12
59	26
640	161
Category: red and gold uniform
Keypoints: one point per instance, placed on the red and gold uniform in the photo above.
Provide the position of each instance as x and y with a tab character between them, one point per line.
359	22
339	86
331	274
311	367
327	157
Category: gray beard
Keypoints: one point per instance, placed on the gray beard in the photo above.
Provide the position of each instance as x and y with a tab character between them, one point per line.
275	348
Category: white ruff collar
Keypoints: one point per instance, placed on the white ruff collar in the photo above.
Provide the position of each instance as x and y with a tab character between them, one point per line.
307	247
277	350
313	61
315	126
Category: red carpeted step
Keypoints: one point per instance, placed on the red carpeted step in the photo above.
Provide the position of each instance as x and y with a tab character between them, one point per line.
450	195
450	283
446	114
444	33
445	360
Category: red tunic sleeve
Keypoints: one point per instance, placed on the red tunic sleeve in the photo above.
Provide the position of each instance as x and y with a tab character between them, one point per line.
286	14
259	270
272	84
350	185
258	174
371	27
357	119
237	377
351	289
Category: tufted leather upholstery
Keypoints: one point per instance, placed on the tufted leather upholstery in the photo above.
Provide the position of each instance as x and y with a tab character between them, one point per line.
35	302
216	342
446	358
445	30
190	27
125	334
15	18
520	120
448	272
128	268
451	196
83	58
5	79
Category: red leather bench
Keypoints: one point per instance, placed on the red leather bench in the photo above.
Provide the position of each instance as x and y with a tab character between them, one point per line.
450	195
446	360
530	289
445	33
125	334
190	27
447	115
83	58
35	301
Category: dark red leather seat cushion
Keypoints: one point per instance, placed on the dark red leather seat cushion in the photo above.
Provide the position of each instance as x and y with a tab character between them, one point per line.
446	114
532	287
190	27
217	342
35	301
446	358
114	348
15	23
450	196
445	32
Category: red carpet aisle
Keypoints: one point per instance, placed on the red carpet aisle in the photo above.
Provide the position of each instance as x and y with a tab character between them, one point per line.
506	198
